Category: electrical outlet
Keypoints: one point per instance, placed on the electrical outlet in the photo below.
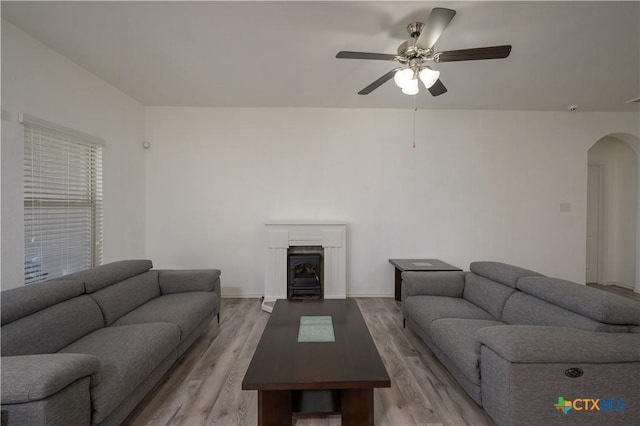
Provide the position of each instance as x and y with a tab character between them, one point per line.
565	207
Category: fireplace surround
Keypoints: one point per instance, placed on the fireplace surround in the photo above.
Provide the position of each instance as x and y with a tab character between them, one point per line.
330	236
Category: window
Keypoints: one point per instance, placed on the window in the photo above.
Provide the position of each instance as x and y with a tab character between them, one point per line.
62	200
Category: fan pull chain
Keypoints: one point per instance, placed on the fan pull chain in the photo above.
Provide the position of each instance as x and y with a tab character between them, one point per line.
415	110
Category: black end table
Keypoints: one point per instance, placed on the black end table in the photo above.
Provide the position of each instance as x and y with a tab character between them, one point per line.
431	265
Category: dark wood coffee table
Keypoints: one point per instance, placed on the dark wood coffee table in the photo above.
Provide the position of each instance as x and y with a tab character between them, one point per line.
294	377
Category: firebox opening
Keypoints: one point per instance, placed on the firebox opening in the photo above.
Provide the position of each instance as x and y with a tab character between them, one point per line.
305	273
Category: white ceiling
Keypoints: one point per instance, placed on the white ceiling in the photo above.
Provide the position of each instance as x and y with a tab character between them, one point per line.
282	54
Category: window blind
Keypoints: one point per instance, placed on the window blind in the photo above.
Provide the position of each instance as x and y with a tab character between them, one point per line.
62	201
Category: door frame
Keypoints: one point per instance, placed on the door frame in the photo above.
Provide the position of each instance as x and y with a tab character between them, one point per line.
599	264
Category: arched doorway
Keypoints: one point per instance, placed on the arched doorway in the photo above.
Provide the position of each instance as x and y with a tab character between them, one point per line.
613	212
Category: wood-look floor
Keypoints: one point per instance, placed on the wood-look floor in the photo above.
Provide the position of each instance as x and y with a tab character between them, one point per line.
620	291
204	387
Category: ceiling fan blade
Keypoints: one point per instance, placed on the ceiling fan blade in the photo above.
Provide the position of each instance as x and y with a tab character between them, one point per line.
437	89
364	55
493	52
379	82
437	21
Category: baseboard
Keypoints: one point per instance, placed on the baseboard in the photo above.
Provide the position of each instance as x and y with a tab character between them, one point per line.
259	296
384	295
241	295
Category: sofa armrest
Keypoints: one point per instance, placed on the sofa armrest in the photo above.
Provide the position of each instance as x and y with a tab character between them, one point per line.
524	370
443	283
543	344
27	378
181	281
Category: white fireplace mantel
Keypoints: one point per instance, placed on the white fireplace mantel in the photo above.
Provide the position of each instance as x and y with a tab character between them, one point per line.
332	236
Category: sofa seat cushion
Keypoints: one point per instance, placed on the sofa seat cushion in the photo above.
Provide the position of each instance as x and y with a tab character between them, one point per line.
127	354
457	339
425	309
186	310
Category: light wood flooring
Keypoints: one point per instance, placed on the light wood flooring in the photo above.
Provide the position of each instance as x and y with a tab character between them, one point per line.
620	291
204	387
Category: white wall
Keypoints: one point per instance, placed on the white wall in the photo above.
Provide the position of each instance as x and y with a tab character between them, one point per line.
40	82
480	185
618	242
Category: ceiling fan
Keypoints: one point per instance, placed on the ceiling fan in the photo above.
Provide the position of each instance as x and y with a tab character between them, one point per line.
414	53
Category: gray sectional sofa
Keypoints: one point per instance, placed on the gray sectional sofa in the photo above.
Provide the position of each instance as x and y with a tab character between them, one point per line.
86	348
531	350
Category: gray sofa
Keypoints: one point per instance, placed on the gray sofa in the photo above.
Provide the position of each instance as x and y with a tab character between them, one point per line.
86	348
528	348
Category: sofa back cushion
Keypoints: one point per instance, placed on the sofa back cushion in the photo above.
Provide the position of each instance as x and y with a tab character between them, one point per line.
26	300
524	309
102	276
590	302
501	272
123	297
489	295
51	329
179	281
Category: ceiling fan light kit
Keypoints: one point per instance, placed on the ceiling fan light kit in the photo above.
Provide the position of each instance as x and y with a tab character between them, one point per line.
407	79
429	77
411	90
415	52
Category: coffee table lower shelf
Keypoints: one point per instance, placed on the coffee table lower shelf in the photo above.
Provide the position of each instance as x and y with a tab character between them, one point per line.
277	407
